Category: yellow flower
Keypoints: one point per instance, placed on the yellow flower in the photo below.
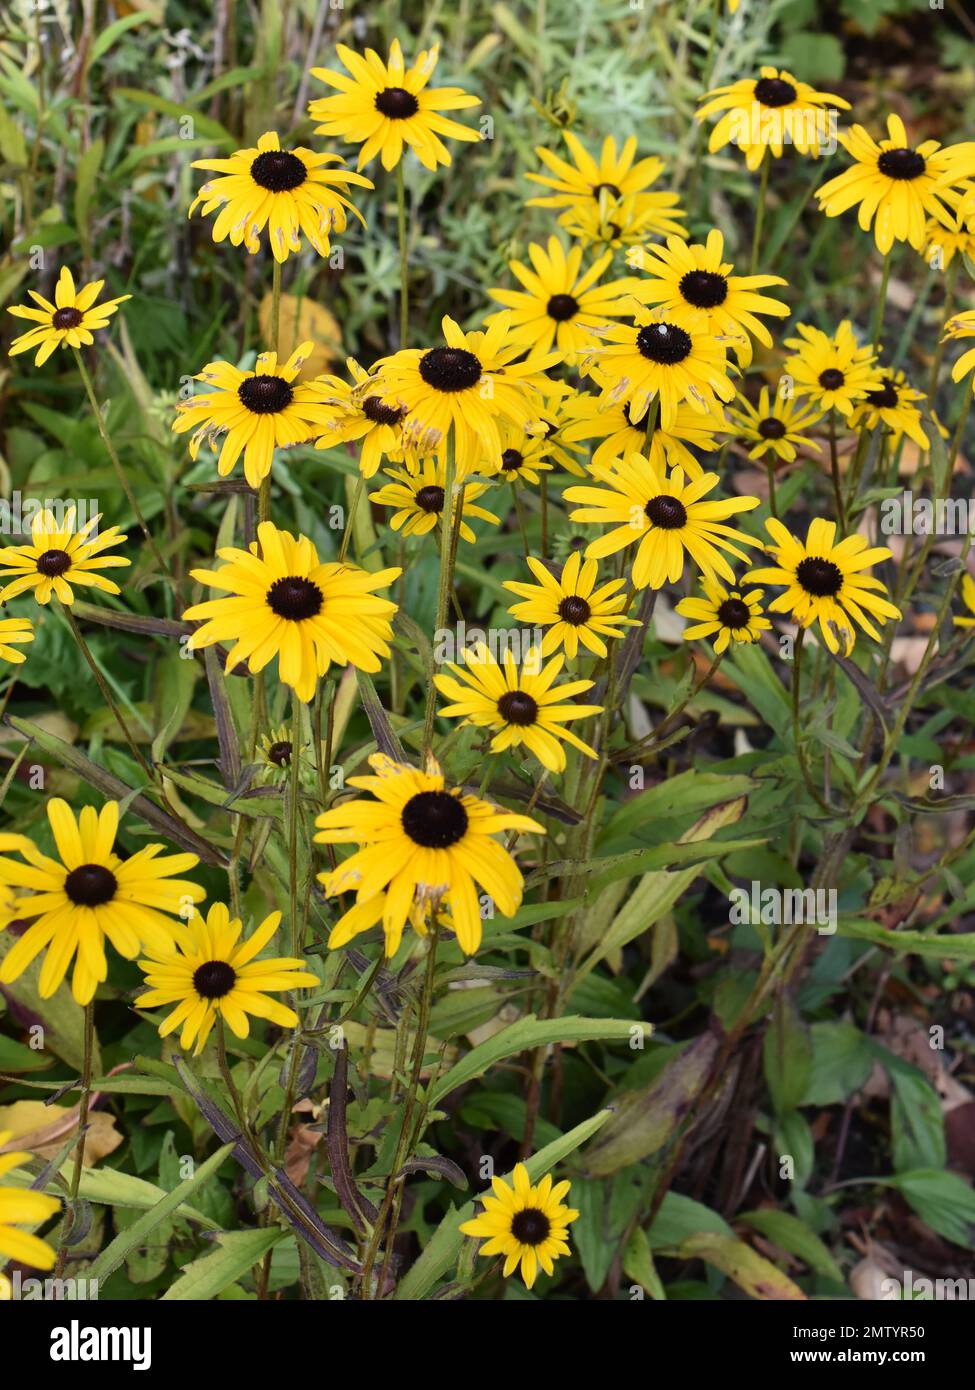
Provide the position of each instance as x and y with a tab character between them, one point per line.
961	326
955	237
775	426
525	455
835	373
59	557
418	500
622	434
666	515
732	614
90	893
527	1225
968	598
384	106
614	222
68	322
551	425
418	842
892	404
525	706
283	601
22	1207
571	607
14	630
583	183
257	411
209	973
825	582
290	192
354	412
769	112
896	185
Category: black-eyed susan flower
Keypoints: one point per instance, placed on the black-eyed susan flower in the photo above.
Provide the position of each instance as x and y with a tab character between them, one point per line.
14	632
22	1207
656	356
419	842
892	404
696	279
551	423
87	894
362	916
834	372
571	607
961	326
665	516
273	756
726	615
524	457
283	602
69	322
291	193
561	300
418	500
769	112
464	391
614	222
968	598
521	702
826	582
622	433
775	426
384	106
895	185
355	413
585	181
943	241
208	972
256	412
526	1224
59	558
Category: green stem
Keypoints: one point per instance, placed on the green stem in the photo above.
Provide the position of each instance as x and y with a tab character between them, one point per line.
293	800
834	465
404	266
79	1157
939	352
106	692
772	502
275	307
760	212
878	317
446	584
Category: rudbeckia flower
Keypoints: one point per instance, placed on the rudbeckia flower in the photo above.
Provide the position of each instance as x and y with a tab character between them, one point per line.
571	607
208	972
769	112
825	582
726	615
527	1225
22	1207
386	106
834	372
584	182
418	500
69	322
615	222
354	412
955	237
968	598
775	426
524	457
292	193
892	404
621	433
59	557
665	516
257	411
523	704
87	894
896	185
14	632
961	326
418	843
283	602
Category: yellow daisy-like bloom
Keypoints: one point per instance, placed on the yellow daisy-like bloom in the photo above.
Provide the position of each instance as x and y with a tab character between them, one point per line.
571	607
622	434
825	582
525	455
284	602
892	404
418	843
14	630
386	106
666	515
561	301
257	411
775	426
654	356
961	326
956	237
273	755
694	279
584	183
208	972
59	557
834	372
355	413
615	222
896	186
551	424
527	1225
88	894
968	598
524	705
69	322
465	391
292	193
769	112
418	500
22	1207
728	615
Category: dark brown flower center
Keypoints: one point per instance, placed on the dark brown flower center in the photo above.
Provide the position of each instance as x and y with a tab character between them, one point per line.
380	413
517	707
450	369
278	171
562	307
574	610
669	513
607	188
213	979
664	343
831	379
295	598
901	164
885	397
397	103
733	612
819	577
90	885
435	820
773	91
705	289
530	1226
280	753
511	459
66	318
265	394
771	428
430	498
53	563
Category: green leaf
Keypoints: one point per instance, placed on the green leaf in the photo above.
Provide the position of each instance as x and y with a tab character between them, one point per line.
944	1201
787	1056
842	1059
236	1253
935	945
744	1266
85	179
638	1265
793	1235
680	1217
916	1118
113	32
16	1057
